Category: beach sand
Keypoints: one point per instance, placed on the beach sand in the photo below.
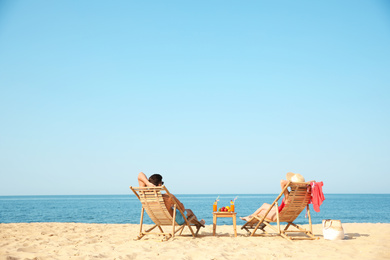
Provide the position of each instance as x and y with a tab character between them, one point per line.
115	241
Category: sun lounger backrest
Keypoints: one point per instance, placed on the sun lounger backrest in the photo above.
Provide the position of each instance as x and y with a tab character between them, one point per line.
153	202
297	201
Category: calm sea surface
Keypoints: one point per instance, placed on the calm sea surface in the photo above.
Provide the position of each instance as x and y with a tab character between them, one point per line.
349	208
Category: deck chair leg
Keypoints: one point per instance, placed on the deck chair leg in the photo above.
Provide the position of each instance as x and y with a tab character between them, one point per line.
139	236
187	223
142	234
150	229
307	232
197	230
288	225
261	220
142	219
162	231
184	226
255	229
308	214
285	236
277	215
197	225
181	228
192	232
271	227
166	237
174	221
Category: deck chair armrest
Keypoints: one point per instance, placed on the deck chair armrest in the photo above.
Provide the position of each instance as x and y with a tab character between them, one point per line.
136	194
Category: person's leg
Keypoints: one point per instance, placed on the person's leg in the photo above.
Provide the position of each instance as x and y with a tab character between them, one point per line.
190	213
271	214
283	184
263	208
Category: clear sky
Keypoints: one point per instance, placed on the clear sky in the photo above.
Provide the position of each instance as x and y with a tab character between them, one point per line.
217	96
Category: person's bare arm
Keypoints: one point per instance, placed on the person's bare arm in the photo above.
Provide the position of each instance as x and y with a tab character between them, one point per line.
143	181
179	204
283	183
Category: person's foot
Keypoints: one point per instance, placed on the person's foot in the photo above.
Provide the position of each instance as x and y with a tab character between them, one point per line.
246	218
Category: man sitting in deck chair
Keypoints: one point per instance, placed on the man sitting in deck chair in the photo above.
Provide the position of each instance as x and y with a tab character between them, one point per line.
156	180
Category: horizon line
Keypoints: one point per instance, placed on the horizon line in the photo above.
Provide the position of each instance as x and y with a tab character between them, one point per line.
337	193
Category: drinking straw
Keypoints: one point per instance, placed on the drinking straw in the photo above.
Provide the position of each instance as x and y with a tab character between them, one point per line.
235	199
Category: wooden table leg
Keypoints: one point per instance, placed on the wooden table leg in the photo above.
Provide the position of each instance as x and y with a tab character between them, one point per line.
234	225
214	224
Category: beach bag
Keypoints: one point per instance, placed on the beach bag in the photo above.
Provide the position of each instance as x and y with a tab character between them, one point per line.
332	229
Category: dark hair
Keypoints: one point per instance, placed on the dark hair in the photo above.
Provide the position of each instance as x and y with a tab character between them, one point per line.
156	179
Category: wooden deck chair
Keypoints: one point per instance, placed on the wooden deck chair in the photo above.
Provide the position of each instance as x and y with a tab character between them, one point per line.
153	202
298	199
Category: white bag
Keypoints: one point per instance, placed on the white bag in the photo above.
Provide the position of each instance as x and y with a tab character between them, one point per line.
332	229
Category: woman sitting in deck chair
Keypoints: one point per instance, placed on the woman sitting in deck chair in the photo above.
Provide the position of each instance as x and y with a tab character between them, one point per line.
156	180
264	208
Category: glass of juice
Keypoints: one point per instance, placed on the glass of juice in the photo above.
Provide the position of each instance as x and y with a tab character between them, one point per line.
232	206
215	207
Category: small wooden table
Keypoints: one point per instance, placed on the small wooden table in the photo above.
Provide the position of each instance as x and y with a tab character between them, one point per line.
224	215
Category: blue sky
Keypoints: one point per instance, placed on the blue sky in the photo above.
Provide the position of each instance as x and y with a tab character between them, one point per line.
217	96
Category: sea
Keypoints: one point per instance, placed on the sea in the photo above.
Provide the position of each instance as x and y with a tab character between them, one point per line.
126	209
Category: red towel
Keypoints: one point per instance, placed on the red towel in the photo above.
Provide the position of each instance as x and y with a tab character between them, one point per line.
281	206
317	197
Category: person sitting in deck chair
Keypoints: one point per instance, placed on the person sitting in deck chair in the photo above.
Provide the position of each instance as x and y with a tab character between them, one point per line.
292	177
156	180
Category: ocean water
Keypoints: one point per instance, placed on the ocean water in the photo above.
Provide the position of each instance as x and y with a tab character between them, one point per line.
116	209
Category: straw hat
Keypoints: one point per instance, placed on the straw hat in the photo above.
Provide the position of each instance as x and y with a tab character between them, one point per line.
294	177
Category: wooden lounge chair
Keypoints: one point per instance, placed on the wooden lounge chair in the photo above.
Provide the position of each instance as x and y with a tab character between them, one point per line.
298	199
153	202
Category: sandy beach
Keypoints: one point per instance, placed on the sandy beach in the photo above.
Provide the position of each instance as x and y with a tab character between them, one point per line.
116	241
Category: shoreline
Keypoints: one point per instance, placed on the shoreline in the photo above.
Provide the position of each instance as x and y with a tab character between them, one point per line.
52	240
